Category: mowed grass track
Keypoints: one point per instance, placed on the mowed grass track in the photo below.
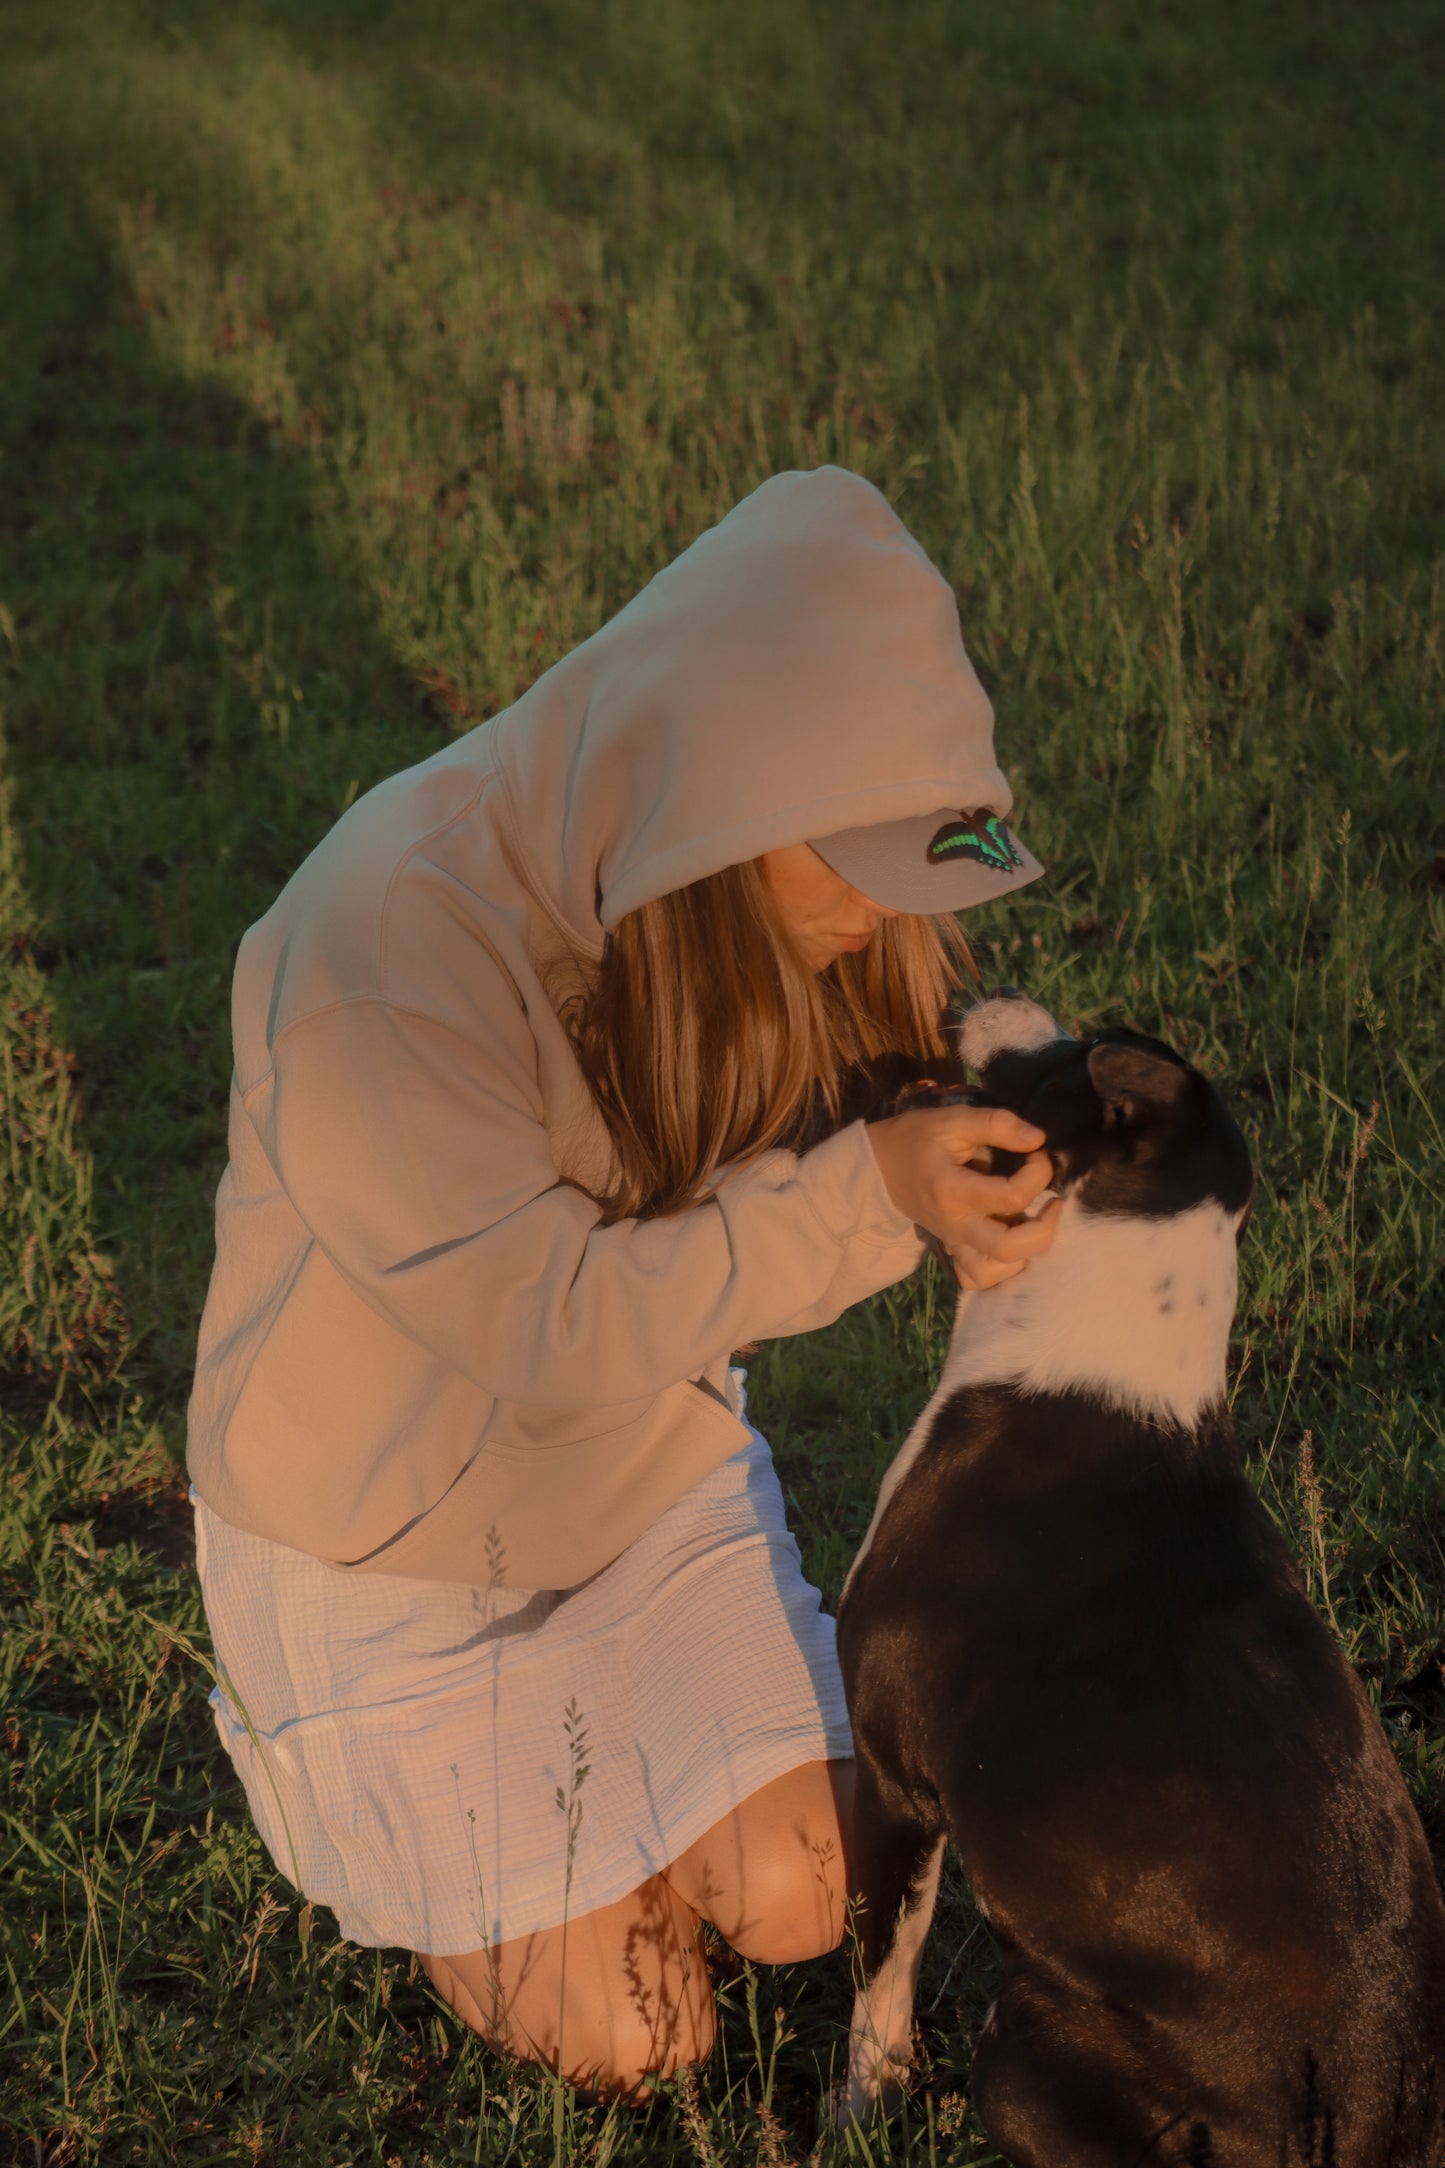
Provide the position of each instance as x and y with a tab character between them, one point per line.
356	362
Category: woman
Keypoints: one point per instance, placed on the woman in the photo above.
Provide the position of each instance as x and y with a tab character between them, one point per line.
519	1666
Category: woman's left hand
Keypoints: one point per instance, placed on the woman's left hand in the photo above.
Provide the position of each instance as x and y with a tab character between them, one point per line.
924	1157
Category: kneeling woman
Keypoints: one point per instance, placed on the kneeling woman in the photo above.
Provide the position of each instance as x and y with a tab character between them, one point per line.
516	1651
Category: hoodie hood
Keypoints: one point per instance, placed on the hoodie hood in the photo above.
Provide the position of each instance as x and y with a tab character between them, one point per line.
798	670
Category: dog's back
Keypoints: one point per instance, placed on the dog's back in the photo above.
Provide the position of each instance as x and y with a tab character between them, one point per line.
1075	1642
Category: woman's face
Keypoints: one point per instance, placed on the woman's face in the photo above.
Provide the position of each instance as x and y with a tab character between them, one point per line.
825	914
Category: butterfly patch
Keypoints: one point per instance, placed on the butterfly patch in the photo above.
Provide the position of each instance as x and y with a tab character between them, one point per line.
983	837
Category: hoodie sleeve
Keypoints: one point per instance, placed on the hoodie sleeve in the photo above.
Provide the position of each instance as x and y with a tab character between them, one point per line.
419	1162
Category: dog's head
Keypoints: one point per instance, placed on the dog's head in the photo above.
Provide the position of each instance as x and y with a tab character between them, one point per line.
1131	1127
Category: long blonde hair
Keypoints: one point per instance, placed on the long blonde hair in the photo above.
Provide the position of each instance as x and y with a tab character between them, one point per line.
705	1037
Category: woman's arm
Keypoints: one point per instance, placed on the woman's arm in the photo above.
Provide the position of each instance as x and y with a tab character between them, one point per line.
416	1154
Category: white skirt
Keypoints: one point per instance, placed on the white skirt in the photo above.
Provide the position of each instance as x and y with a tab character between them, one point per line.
447	1767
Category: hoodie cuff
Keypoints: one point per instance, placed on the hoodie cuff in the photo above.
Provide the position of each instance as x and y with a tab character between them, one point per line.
845	1187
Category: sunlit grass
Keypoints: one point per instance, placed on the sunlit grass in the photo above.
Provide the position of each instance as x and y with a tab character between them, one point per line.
357	362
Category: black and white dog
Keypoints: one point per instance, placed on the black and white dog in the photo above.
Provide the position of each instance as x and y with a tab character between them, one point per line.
1075	1644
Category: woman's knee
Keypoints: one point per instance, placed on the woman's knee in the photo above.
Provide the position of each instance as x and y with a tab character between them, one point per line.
773	1876
791	1909
617	2050
635	2053
632	2003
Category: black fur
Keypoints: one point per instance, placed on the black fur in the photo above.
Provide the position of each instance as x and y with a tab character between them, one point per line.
1150	1138
1078	1645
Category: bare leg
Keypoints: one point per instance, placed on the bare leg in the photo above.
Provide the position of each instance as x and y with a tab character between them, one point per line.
771	1876
619	1997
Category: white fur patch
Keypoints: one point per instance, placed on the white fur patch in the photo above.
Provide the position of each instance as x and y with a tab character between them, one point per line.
880	2039
1008	1023
1134	1312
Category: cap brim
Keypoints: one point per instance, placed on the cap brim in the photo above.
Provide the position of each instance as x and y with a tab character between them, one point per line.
889	864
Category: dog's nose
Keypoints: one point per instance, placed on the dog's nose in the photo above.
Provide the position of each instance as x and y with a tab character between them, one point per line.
1006	993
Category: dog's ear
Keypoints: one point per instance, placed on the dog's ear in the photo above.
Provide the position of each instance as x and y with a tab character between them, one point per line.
1132	1081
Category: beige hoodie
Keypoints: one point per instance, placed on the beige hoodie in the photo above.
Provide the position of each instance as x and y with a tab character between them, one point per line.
421	1352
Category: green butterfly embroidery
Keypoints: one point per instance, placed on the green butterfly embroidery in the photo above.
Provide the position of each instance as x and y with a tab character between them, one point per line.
983	837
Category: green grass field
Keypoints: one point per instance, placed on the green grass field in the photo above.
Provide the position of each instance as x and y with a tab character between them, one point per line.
359	359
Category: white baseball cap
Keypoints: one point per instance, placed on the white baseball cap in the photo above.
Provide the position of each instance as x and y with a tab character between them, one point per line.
943	861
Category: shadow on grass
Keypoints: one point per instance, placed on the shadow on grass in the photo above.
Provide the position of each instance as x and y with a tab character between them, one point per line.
195	687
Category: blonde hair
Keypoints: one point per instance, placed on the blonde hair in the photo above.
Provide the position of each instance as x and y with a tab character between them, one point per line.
705	1037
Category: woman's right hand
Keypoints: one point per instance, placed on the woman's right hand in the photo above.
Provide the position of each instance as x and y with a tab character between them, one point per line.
924	1157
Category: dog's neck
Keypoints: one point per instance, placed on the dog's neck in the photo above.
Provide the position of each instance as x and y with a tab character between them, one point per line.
1135	1312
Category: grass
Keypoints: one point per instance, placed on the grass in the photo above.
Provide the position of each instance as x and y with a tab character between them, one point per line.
357	361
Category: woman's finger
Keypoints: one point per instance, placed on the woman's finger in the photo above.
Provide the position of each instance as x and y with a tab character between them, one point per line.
973	1270
1026	1182
1010	1245
973	1126
965	1193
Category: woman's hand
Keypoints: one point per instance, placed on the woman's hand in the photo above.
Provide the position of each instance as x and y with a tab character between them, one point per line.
924	1160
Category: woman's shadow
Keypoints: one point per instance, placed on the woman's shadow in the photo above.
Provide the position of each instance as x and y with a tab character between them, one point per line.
195	687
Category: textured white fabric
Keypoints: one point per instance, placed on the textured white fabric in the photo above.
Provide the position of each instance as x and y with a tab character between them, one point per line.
402	1742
